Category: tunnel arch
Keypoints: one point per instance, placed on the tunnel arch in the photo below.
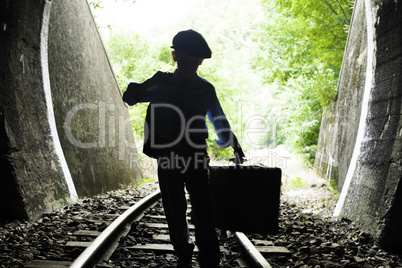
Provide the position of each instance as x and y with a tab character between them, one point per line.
33	178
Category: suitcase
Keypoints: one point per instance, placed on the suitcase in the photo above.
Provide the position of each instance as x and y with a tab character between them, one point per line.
246	198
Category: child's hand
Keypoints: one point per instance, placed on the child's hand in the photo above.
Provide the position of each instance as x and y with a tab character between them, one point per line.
239	157
160	78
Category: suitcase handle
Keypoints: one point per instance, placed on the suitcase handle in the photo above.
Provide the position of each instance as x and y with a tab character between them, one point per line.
238	161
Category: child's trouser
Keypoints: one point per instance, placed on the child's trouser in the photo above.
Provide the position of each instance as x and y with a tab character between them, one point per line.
174	173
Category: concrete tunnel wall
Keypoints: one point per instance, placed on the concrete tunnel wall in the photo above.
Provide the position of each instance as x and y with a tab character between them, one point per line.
92	121
360	142
360	139
340	120
78	142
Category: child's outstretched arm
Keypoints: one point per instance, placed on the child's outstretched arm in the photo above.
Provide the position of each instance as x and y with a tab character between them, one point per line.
135	91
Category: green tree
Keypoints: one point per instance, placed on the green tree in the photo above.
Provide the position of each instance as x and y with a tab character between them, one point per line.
135	60
301	49
301	35
301	107
325	24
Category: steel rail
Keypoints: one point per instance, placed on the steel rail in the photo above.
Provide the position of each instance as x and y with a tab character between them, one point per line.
90	256
254	256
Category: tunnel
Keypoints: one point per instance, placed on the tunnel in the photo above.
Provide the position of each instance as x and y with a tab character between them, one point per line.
65	132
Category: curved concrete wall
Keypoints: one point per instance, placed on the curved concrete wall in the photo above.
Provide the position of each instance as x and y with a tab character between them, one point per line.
33	179
371	181
37	167
92	120
340	121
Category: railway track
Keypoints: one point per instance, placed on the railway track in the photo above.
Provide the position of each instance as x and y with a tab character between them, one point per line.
139	235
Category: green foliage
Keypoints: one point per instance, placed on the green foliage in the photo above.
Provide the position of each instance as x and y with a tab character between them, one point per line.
95	4
302	44
135	60
323	86
145	181
333	185
98	4
308	33
297	182
215	151
300	103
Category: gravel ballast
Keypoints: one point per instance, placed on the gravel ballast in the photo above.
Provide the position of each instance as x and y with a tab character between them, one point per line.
307	229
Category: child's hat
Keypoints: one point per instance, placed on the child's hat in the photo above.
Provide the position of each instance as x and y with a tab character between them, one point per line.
191	43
